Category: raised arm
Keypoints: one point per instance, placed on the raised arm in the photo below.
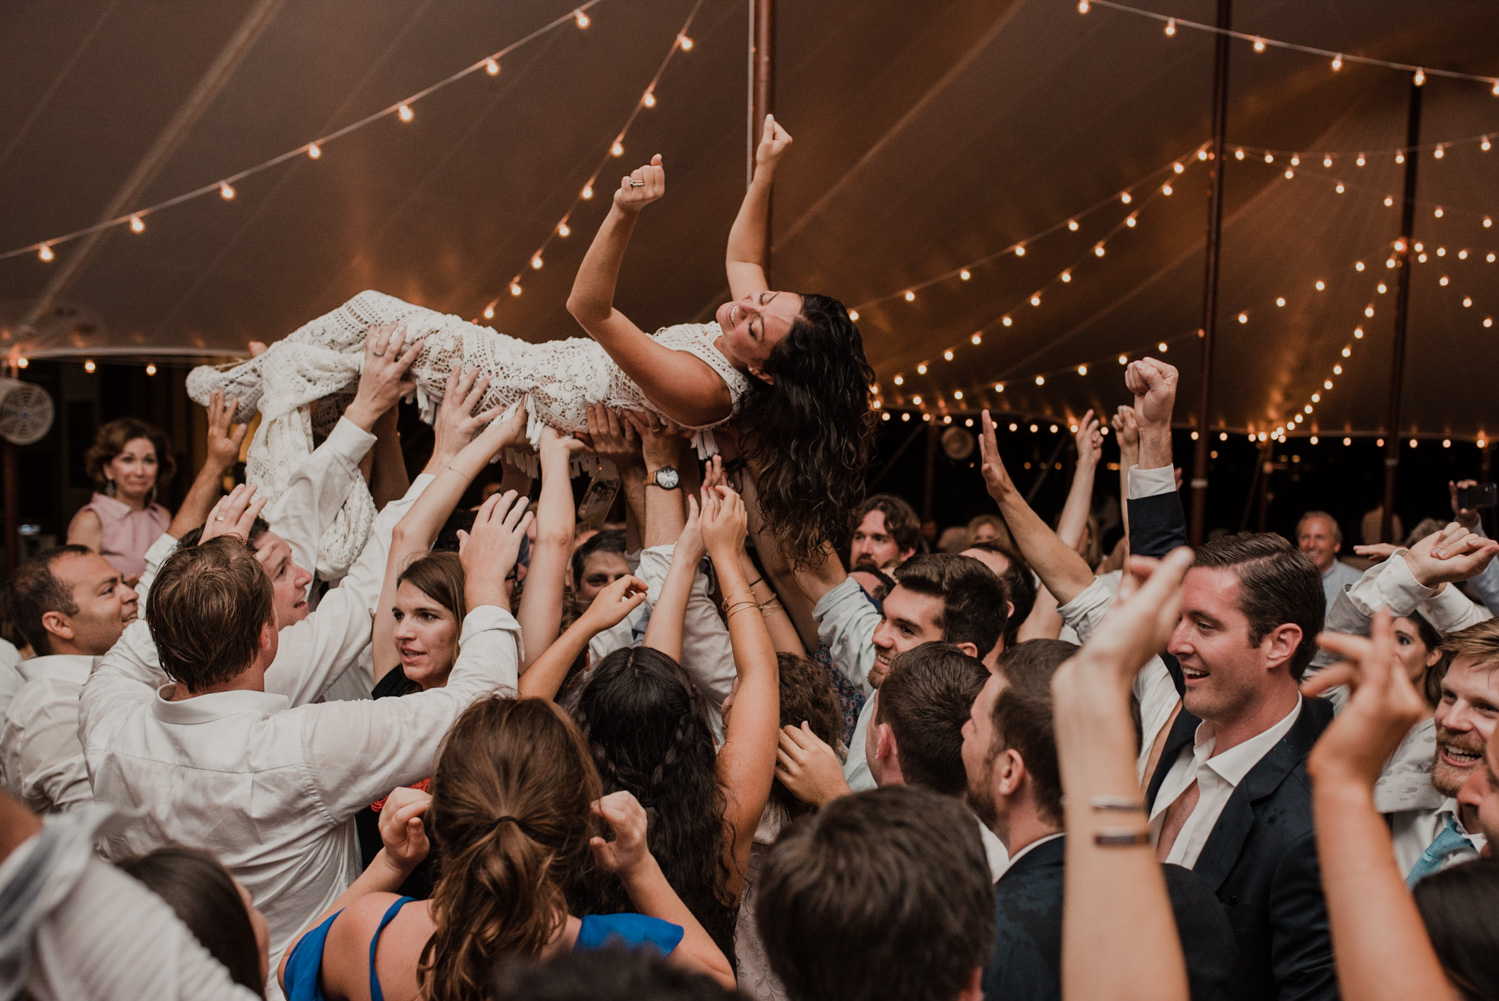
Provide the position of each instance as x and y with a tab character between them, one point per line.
544	678
224	437
682	386
746	762
745	258
615	439
1157	522
1119	939
1378	938
1127	434
669	614
540	611
1074	520
460	451
1062	570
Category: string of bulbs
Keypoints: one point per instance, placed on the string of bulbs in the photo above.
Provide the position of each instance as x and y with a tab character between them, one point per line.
225	187
1260	43
964	272
1064	277
682	42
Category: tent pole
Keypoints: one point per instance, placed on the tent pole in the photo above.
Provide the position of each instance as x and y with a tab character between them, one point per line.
928	494
1402	307
1216	167
12	517
762	92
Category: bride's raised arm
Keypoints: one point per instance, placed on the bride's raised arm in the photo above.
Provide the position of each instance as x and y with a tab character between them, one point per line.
745	258
683	387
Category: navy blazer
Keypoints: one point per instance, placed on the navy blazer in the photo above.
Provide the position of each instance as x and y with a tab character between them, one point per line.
1261	860
1026	963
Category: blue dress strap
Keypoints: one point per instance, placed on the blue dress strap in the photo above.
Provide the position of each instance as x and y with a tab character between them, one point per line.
390	913
305	964
632	931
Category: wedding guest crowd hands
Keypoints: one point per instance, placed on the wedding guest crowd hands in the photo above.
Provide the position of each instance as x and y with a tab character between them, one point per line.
1025	771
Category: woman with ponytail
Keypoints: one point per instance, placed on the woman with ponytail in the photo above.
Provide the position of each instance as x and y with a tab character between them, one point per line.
514	800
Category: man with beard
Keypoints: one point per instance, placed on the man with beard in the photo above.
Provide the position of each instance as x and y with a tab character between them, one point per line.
1428	841
1014	785
886	532
937	597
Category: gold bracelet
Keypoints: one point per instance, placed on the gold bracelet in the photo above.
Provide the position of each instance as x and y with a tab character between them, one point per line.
729	599
739	608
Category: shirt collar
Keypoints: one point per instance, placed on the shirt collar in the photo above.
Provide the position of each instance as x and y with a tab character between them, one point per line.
1233	764
215	705
74	667
1022	853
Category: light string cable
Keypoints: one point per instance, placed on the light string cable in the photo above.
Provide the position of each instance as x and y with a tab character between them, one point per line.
1063	277
681	42
1484	141
1261	42
402	109
1072	222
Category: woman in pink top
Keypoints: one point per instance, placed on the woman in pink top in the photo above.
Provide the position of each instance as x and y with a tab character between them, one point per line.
127	462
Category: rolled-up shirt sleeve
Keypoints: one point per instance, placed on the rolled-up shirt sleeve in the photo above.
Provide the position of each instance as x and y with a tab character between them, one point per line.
846	620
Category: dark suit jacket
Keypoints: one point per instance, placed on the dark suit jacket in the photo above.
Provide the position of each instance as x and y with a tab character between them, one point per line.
1158	525
1261	860
1026	964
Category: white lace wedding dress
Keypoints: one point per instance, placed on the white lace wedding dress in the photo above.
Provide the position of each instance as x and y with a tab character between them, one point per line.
307	377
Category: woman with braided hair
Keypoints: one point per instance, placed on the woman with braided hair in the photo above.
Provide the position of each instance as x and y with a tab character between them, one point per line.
648	728
515	800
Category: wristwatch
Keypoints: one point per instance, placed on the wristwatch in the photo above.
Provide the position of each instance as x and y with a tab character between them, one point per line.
667	478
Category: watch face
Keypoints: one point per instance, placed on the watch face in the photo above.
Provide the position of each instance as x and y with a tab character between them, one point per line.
667	478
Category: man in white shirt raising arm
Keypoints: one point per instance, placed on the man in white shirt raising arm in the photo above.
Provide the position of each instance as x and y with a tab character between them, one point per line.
215	760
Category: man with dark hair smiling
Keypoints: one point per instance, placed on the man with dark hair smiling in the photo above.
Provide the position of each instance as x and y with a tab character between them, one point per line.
886	533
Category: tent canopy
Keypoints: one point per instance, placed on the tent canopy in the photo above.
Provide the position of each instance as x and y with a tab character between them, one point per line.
930	137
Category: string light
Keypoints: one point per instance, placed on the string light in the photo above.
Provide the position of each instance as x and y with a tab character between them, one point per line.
89	366
965	274
853	314
226	191
489	311
685	43
404	112
1420	78
136	224
564	230
649	100
314	151
515	288
1171	26
492	67
150	369
618	149
1337	62
536	262
1259	45
45	252
581	18
22	362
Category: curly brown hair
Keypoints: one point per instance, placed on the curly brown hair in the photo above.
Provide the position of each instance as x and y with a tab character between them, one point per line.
111	440
511	806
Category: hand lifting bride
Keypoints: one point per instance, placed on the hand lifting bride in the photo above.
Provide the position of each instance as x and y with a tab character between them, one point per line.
788	369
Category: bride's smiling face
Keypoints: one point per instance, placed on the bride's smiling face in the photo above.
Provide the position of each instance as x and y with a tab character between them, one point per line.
755	324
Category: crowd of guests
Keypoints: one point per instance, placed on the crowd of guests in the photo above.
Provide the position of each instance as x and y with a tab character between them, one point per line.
507	756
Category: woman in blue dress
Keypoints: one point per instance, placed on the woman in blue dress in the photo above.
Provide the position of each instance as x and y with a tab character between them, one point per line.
516	801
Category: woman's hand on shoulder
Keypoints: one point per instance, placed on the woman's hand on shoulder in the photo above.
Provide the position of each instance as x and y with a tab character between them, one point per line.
641	186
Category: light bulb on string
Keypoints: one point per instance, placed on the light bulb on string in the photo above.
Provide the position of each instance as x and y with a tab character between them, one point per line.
1259	45
1243	317
536	262
1327	161
1337	62
489	311
1019	250
1438	152
685	43
1321	285
492	67
151	369
916	400
977	339
136	225
1296	159
618	149
921	369
1162	347
1126	198
853	314
1269	157
947	355
314	151
1202	154
1166	189
45	252
999	387
1467	301
1360	160
22	362
226	191
581	18
1124	359
1238	154
910	295
1170	26
1399	157
900	380
1178	168
1036	300
564	230
1419	78
1280	301
1072	225
1098	250
1040	381
1485	145
905	415
515	288
405	112
1007	321
89	366
1082	370
1066	276
1437	212
649	100
965	274
1340	189
1082	6
957	394
1131	221
587	192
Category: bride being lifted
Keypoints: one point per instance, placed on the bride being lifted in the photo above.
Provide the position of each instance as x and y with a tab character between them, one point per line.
788	369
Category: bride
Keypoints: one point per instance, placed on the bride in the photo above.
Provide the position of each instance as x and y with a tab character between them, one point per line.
788	369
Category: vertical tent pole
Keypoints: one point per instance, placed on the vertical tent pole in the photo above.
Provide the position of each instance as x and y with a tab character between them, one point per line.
1403	256
1216	167
11	507
928	495
762	91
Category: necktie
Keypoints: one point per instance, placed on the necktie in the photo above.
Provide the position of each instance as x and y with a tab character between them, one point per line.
1448	840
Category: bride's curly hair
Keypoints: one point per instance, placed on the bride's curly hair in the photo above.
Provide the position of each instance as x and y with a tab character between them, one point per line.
809	435
511	804
646	727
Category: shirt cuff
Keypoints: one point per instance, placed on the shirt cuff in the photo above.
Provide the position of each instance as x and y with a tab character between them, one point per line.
1395	588
1151	482
348	438
846	588
485	618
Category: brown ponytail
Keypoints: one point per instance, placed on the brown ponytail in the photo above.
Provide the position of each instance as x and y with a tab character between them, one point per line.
511	806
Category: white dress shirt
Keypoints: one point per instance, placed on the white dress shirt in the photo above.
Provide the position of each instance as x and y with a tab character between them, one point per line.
317	489
995	852
1391	584
10	674
41	760
1217	777
271	789
707	653
856	766
846	621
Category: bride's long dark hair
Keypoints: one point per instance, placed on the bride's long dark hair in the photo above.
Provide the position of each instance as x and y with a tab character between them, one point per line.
809	435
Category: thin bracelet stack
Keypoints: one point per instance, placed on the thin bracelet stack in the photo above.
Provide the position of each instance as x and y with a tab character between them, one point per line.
1119	837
